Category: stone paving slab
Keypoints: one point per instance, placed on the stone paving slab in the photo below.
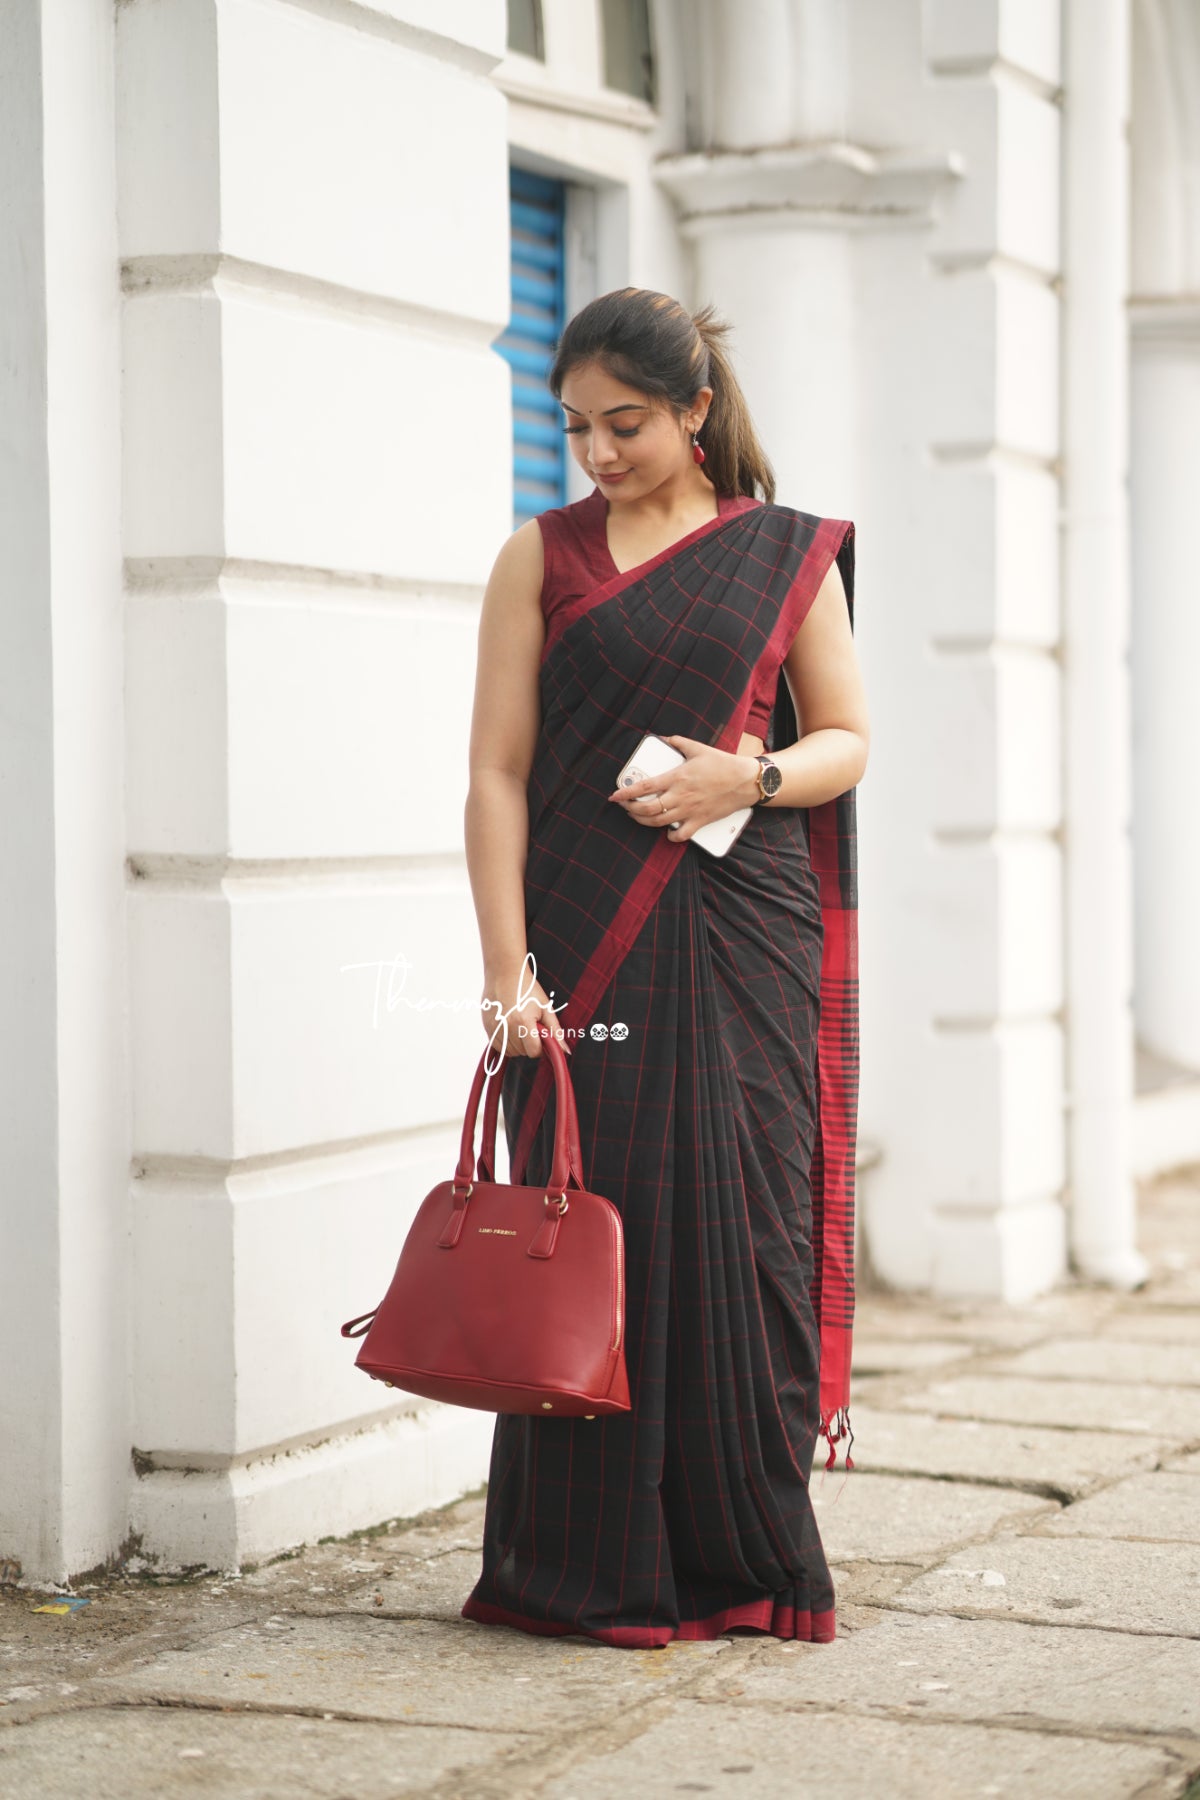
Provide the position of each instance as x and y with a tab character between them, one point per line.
895	1518
868	1584
1169	1412
1158	1326
899	1355
132	1614
988	1324
433	1586
983	1669
1127	1587
482	1676
157	1753
1069	1462
1108	1360
771	1754
1178	1289
867	1388
1163	1506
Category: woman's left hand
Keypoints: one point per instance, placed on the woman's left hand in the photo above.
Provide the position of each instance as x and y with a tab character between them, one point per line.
708	785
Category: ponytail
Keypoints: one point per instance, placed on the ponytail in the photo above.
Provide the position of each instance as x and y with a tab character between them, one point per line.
735	460
652	343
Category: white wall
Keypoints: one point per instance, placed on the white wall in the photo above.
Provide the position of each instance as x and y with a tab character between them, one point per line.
64	1400
314	234
30	1399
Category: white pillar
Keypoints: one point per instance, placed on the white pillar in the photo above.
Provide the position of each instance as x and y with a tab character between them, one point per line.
785	288
1166	717
772	201
896	314
64	1395
1165	472
749	73
820	69
1095	549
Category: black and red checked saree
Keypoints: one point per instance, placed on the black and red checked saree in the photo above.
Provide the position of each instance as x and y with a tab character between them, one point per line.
711	1011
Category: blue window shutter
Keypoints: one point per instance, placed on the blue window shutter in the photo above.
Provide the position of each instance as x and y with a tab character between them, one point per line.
536	320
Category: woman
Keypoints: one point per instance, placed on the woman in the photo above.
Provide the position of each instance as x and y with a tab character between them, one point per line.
691	990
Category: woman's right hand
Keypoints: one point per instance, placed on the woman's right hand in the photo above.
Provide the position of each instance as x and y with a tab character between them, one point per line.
516	1010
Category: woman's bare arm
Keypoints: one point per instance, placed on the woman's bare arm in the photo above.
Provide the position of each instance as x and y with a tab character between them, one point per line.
831	705
504	727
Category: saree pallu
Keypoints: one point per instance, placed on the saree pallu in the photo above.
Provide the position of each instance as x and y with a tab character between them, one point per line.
711	1011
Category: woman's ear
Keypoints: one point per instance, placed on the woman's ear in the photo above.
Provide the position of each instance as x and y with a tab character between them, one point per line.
702	401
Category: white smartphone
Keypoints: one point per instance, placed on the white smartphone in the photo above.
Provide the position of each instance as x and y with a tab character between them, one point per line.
654	756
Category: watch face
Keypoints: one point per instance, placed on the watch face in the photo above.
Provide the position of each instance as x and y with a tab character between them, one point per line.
772	779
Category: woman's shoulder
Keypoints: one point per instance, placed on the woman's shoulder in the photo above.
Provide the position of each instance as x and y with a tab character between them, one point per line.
810	531
812	521
520	558
576	519
556	526
574	549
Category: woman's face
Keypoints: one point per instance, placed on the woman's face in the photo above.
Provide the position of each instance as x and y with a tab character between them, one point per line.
627	442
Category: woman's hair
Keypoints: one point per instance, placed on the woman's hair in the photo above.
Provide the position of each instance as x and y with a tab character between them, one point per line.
652	343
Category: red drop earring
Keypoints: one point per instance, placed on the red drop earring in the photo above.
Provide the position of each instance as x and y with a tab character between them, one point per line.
697	452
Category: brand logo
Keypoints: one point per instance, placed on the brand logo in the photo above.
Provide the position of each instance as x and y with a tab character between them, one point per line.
494	1231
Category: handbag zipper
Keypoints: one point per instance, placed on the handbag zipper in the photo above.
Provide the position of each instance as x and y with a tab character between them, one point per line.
620	1290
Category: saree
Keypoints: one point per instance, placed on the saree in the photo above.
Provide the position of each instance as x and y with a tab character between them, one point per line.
710	1012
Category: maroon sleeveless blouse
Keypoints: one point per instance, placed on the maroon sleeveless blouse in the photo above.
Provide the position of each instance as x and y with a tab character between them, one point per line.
577	560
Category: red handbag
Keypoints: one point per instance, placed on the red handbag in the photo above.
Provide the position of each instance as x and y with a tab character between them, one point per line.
507	1297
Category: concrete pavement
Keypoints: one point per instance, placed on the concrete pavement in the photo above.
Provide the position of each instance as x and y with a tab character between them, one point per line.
1017	1558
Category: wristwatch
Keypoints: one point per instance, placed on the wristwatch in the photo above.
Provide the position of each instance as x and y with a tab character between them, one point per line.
770	779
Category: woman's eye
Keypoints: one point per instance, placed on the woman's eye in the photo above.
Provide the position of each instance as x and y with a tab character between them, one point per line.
629	431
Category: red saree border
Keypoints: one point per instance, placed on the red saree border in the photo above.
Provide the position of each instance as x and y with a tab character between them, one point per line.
767	1614
837	1108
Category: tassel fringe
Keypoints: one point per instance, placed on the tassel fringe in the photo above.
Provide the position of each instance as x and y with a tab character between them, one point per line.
835	1428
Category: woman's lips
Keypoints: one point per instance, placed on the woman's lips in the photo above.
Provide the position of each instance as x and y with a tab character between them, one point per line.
620	477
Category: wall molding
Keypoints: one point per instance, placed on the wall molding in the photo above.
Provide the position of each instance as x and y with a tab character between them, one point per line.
841	182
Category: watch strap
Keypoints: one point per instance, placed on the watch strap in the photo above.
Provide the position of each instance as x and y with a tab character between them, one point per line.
764	762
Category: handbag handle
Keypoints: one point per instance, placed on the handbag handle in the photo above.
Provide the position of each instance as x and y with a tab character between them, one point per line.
487	1150
567	1161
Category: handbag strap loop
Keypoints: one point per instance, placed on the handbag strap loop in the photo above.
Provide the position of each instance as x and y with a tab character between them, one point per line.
567	1163
359	1327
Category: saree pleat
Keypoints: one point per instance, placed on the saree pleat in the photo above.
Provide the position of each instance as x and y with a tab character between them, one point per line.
699	1115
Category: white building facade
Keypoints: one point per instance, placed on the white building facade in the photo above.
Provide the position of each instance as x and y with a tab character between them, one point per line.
261	421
